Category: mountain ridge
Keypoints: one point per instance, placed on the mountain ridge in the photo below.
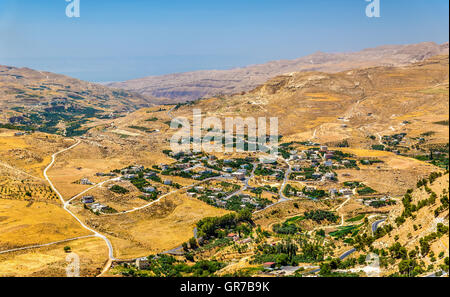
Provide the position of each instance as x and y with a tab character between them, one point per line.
49	102
341	105
188	86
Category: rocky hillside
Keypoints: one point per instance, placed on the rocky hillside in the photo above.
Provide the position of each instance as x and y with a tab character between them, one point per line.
201	84
358	105
415	235
51	102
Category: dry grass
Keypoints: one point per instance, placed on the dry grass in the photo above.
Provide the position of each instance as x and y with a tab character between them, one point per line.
30	153
161	227
394	176
425	223
51	261
26	223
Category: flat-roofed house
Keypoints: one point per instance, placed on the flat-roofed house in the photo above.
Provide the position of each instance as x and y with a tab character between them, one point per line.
149	189
143	263
239	175
87	199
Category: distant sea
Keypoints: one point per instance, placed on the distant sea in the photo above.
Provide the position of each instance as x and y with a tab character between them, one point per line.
112	69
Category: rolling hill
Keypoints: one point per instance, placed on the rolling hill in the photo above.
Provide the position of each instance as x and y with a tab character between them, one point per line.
202	84
49	102
419	227
359	105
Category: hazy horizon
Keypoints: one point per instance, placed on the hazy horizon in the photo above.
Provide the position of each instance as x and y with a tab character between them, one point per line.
122	40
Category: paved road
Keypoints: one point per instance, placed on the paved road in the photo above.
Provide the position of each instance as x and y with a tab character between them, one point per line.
434	274
51	165
377	224
285	181
342	257
345	255
185	188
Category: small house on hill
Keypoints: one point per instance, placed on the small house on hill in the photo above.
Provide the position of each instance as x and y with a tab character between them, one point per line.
149	189
143	263
85	181
87	199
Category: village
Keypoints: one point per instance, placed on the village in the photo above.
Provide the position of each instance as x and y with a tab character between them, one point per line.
297	171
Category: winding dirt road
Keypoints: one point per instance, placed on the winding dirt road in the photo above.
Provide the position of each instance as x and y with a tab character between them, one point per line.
96	234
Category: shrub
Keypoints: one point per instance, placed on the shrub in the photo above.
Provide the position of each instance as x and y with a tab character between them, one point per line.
118	189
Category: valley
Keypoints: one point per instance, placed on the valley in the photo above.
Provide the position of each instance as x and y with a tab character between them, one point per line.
359	186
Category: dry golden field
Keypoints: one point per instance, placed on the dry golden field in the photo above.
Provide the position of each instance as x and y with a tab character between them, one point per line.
163	226
394	176
30	153
51	261
26	223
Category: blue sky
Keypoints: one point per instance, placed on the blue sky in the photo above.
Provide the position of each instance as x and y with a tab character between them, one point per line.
117	40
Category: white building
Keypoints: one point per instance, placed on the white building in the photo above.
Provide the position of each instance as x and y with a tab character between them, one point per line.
143	263
149	189
329	176
97	207
346	192
85	181
239	175
129	176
